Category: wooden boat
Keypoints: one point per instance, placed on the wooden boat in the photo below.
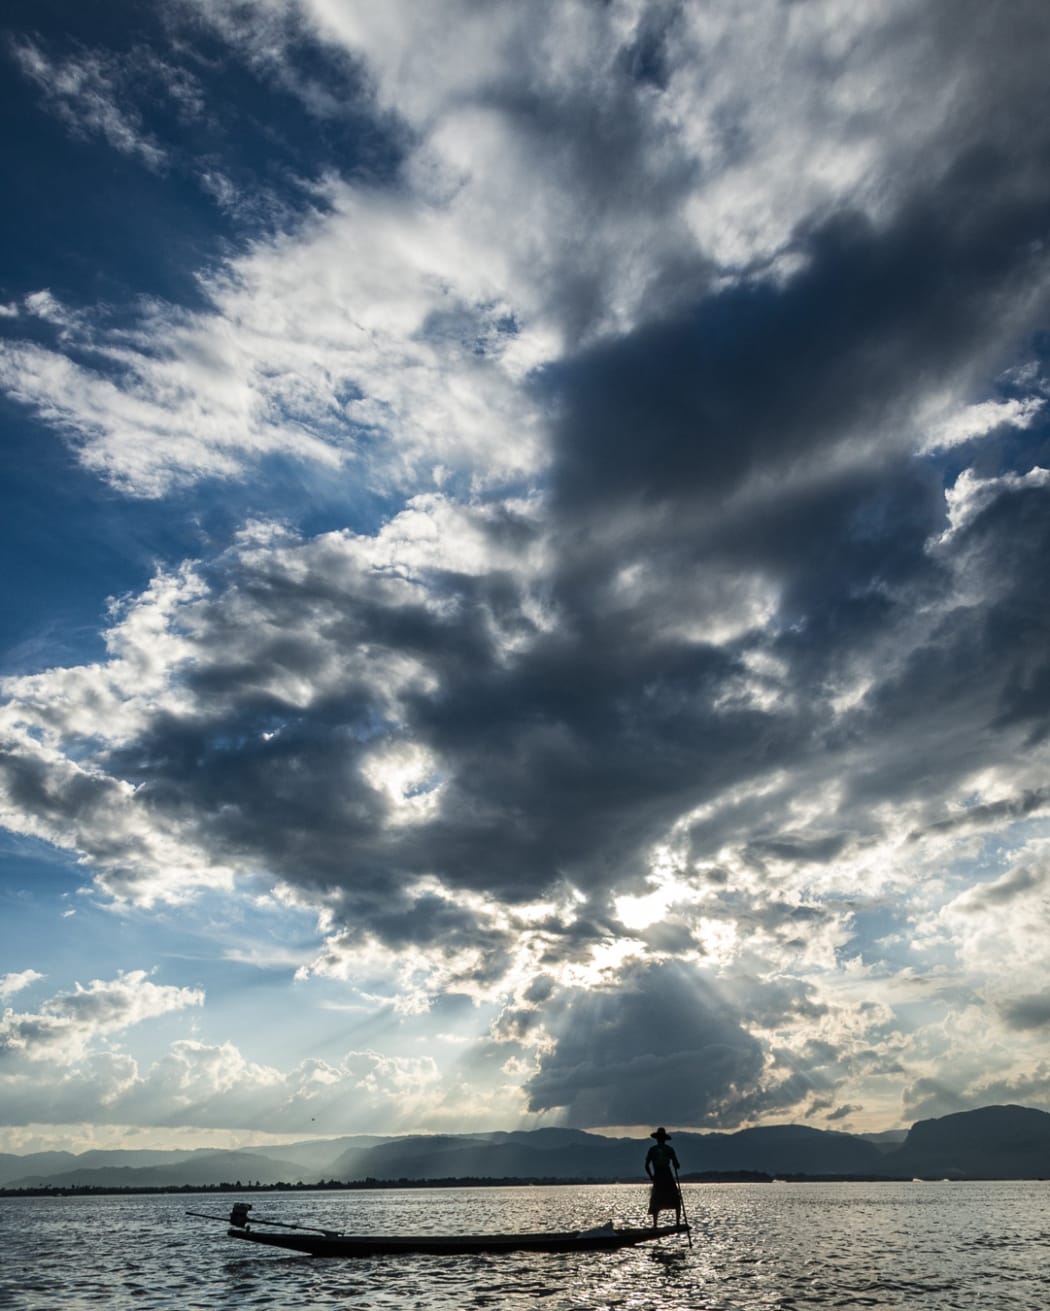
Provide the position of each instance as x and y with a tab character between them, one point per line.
325	1242
588	1240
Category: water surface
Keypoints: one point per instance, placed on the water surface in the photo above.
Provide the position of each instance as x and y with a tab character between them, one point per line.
757	1247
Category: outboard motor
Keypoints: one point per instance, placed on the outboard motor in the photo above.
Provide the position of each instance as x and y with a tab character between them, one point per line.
239	1215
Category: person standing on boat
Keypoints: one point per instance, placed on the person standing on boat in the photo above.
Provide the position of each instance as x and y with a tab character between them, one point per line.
659	1160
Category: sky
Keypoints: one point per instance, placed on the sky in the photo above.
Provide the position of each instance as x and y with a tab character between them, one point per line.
525	535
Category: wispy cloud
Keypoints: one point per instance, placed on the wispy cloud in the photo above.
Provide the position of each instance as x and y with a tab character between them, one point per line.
89	92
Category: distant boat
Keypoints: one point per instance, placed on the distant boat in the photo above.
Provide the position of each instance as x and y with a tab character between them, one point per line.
322	1242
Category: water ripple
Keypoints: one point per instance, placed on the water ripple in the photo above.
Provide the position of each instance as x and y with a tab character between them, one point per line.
793	1247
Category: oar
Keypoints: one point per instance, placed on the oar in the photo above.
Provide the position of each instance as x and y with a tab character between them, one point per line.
275	1224
688	1231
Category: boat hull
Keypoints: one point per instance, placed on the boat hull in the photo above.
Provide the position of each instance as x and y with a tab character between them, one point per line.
600	1240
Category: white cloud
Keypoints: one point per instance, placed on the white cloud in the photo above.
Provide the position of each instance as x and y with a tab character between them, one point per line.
974	421
68	1025
12	983
971	494
200	1086
370	343
410	777
62	777
393	333
998	927
755	121
85	92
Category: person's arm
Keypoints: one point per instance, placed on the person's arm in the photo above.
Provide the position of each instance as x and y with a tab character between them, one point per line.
675	1159
649	1162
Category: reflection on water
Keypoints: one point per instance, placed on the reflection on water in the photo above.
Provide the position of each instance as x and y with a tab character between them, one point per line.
978	1247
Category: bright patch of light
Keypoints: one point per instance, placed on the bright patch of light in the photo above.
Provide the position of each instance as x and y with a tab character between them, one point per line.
718	940
607	960
406	773
640	912
978	420
848	698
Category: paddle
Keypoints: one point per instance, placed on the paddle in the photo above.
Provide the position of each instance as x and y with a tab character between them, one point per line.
241	1221
678	1184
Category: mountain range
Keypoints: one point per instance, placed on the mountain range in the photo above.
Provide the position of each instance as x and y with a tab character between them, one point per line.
994	1142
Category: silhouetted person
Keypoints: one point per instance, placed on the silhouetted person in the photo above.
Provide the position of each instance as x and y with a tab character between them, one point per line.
660	1165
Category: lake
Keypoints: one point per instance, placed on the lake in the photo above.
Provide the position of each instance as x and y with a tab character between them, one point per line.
978	1246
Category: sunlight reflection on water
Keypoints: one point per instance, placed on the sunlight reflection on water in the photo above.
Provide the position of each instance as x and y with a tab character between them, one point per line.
971	1247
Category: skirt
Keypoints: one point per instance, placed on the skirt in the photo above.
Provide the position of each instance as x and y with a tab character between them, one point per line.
664	1195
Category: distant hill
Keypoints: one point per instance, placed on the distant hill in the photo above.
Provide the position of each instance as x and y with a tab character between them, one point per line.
203	1169
307	1161
540	1154
316	1157
44	1163
886	1141
782	1149
996	1142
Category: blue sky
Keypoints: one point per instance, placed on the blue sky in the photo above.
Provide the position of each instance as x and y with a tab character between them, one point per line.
525	532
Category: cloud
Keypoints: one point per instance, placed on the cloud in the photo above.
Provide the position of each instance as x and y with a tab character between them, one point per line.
701	640
69	1023
978	420
202	1086
997	928
1020	882
1031	1012
370	343
354	715
92	92
74	1036
971	494
667	413
12	983
662	1045
929	1098
409	318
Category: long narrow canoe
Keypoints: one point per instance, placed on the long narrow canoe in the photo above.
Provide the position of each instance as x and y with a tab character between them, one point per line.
587	1240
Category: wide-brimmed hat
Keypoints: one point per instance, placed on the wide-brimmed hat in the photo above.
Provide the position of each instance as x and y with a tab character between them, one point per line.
661	1134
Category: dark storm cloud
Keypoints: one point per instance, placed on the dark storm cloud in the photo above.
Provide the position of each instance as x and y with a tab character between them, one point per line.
1013	534
1030	1012
680	443
562	764
646	59
758	377
675	1033
990	658
727	403
1002	891
664	1033
1031	800
540	778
